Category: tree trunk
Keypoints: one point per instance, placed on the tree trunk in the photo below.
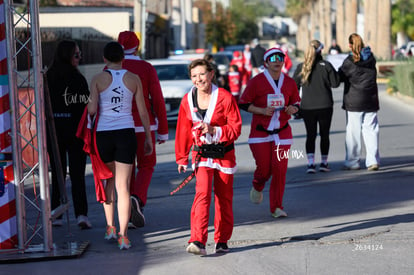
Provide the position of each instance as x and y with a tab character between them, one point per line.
383	49
370	23
351	10
341	35
327	23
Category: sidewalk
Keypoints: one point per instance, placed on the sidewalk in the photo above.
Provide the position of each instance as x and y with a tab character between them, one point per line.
341	222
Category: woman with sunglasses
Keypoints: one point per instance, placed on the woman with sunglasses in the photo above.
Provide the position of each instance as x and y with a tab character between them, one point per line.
272	97
69	94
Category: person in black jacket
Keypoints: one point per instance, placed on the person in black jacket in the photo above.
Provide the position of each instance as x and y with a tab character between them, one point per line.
316	77
69	95
256	57
361	104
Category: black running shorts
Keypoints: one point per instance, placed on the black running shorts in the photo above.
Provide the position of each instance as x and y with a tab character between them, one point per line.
117	145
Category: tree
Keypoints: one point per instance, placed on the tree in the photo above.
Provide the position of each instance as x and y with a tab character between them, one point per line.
402	14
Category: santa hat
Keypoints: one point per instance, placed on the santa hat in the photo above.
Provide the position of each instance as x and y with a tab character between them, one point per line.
271	52
236	55
129	41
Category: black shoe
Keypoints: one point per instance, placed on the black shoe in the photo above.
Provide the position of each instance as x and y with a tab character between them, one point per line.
137	218
222	248
311	169
324	167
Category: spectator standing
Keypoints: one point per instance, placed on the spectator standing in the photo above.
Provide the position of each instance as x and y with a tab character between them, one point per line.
316	77
257	57
273	98
154	101
113	92
334	48
361	104
210	119
69	94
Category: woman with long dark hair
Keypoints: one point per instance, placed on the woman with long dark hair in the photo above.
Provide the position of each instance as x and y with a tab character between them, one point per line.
69	95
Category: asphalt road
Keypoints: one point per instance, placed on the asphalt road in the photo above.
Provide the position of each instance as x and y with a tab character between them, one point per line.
341	222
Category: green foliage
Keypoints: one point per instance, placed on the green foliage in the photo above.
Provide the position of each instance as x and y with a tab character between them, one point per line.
402	15
403	78
235	25
47	3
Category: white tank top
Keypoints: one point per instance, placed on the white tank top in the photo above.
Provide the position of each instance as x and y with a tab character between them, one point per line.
115	104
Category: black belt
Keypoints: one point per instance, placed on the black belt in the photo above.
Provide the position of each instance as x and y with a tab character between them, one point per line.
272	132
213	150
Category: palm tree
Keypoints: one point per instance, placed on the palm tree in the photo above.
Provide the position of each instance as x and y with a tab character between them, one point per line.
351	10
384	24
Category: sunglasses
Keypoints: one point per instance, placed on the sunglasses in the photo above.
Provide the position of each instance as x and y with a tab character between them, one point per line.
276	57
78	55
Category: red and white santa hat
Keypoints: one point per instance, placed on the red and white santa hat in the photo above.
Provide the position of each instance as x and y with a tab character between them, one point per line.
271	52
129	41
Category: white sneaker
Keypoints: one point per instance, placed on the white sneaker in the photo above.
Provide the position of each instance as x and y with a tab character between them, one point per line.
196	248
83	222
279	213
256	196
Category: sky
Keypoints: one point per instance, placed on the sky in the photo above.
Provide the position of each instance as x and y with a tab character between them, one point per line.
280	4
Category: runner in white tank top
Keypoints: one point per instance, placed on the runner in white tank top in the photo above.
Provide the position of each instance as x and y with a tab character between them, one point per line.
117	145
115	104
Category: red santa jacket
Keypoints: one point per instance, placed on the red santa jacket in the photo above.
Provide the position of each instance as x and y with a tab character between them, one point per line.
101	172
222	113
257	92
154	100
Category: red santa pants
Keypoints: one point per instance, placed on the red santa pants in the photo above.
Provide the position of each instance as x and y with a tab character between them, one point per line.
271	161
223	202
145	164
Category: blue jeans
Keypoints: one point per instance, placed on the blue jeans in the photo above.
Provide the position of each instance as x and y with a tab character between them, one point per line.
365	124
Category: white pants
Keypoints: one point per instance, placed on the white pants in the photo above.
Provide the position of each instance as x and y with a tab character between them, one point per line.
365	123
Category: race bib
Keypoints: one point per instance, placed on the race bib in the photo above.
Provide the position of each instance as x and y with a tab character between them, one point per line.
276	101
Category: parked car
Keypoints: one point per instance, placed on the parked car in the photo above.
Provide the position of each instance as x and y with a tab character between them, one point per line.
223	60
175	83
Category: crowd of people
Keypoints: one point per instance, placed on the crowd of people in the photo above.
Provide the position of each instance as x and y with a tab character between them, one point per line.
124	117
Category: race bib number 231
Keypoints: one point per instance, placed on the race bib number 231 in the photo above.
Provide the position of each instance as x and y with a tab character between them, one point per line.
276	101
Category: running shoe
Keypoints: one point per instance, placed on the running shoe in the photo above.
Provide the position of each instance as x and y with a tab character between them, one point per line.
279	213
373	167
137	217
324	167
311	169
123	242
83	222
196	248
222	248
110	233
256	196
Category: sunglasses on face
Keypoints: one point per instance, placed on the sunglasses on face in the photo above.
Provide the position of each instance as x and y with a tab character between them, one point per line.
276	57
78	55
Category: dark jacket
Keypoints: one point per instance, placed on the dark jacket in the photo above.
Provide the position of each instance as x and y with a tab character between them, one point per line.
69	94
257	56
361	90
317	93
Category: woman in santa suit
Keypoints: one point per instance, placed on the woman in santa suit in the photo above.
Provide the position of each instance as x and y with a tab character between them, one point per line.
209	121
272	97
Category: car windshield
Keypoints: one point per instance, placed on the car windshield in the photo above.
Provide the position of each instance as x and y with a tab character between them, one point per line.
221	59
172	72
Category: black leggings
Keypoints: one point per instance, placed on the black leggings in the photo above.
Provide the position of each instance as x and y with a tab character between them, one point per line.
311	119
